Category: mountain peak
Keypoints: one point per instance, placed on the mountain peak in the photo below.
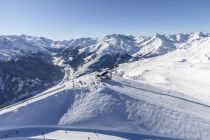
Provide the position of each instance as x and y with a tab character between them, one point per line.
161	37
158	35
200	34
197	35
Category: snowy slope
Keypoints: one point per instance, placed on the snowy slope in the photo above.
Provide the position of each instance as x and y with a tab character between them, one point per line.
155	45
118	105
12	47
66	133
185	70
91	54
163	89
26	67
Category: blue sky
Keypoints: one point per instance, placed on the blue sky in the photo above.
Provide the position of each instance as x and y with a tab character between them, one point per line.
66	19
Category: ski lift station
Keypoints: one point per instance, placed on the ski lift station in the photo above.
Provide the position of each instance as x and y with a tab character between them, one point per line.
105	74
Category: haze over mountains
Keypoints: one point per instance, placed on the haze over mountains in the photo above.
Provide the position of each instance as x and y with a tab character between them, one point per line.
160	84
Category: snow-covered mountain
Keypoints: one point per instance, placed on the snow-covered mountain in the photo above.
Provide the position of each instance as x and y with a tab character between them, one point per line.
79	56
116	43
12	47
181	70
26	67
116	105
160	84
87	55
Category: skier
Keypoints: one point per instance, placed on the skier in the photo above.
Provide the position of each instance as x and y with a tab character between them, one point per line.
17	132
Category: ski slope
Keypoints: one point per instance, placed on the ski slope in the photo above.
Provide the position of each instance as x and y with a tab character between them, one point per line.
66	133
163	92
184	70
54	133
114	105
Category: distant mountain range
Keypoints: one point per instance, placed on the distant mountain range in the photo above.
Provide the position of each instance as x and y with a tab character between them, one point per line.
27	64
159	87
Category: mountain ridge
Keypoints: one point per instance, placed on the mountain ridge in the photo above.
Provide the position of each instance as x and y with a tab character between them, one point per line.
86	55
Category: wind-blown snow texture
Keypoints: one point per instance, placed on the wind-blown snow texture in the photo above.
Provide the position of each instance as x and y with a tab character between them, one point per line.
161	85
118	104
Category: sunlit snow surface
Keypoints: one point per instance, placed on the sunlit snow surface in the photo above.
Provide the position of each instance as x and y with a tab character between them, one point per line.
66	133
186	70
166	95
118	105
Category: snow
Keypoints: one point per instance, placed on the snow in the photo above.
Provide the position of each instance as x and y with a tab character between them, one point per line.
63	133
45	132
185	70
12	47
115	105
166	95
138	47
156	45
66	135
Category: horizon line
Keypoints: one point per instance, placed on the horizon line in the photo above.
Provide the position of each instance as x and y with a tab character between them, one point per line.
101	36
